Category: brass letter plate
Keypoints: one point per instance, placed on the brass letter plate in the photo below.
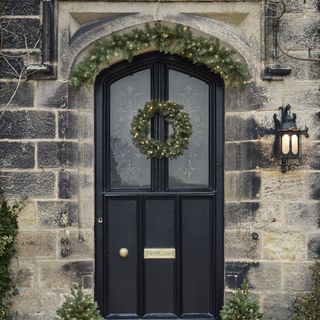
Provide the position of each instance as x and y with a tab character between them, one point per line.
159	253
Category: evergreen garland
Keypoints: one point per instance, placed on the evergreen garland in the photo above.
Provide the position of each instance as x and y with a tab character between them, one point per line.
8	233
78	306
241	307
175	144
178	40
307	307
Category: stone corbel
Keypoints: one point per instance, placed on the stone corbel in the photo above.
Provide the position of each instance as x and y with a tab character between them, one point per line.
47	69
273	70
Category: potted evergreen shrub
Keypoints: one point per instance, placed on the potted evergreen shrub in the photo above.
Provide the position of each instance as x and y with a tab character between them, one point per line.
241	306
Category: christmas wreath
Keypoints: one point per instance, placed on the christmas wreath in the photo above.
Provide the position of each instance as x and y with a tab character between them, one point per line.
175	144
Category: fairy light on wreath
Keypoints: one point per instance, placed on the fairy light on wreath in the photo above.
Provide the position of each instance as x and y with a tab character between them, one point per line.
177	142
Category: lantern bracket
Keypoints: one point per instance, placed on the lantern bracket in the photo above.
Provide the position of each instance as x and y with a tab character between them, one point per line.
286	125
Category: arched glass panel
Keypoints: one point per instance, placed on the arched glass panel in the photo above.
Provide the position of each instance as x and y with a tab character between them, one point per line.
128	167
191	170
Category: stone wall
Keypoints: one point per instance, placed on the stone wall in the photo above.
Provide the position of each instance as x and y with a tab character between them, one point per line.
272	220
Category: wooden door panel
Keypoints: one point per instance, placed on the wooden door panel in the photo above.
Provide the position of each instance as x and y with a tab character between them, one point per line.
159	287
160	275
196	253
122	280
159	218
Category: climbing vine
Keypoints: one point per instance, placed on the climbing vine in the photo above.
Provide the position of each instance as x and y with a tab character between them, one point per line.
171	40
8	232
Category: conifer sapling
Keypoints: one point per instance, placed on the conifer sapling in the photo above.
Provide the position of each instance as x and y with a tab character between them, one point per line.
78	306
241	306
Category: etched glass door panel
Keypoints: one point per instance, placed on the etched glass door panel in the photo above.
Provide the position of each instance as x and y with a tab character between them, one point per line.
128	167
191	170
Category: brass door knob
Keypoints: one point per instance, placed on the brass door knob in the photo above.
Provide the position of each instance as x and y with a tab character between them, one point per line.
123	252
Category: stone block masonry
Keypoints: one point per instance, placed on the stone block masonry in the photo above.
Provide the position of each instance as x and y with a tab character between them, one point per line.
272	220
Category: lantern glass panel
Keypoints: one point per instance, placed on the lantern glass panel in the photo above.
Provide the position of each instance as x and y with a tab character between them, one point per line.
295	144
285	144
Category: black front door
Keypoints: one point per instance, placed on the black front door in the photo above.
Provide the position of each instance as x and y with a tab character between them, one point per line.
159	228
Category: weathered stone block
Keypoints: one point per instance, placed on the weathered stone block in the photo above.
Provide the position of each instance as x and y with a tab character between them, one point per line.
68	125
87	213
86	155
80	244
269	216
265	277
236	272
314	246
299	33
27	125
311	156
57	154
16	155
276	306
297	276
86	184
30	302
302	216
242	186
21	33
30	184
312	188
57	214
253	97
240	215
316	125
26	315
23	96
247	156
279	186
21	8
239	128
293	6
284	246
306	95
242	245
86	125
12	66
51	94
63	275
27	216
74	126
68	184
80	98
25	278
36	244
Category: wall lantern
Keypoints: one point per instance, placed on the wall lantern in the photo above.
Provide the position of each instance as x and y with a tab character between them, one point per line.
287	145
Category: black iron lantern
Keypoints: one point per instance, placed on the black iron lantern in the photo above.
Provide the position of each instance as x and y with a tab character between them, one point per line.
288	139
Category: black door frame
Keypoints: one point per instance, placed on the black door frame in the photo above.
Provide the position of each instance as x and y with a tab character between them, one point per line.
102	183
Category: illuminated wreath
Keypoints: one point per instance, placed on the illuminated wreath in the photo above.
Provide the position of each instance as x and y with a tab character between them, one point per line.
175	144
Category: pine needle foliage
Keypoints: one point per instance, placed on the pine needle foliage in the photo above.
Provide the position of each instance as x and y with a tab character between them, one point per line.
241	306
78	306
8	232
307	307
177	40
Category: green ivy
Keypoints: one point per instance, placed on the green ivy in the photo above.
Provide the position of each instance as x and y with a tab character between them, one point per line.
241	306
78	306
8	232
178	40
307	307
